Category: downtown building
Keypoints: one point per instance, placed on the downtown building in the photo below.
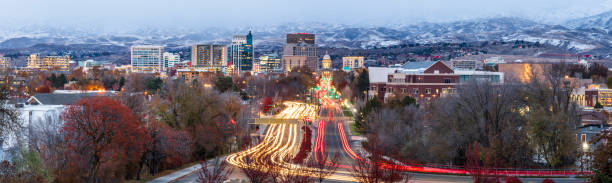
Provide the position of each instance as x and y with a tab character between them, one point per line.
300	51
423	81
269	63
48	63
209	57
351	63
146	59
5	62
170	59
241	52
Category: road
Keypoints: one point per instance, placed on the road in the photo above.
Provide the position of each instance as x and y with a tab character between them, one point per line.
282	140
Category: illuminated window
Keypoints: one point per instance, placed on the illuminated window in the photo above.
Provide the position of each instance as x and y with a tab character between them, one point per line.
415	91
583	138
427	90
403	90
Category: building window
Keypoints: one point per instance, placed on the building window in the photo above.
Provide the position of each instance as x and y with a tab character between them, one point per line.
447	80
403	90
384	89
390	90
583	138
427	90
415	91
436	71
374	88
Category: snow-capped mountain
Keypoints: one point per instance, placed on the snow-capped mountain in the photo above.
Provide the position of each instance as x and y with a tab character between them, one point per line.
590	34
601	21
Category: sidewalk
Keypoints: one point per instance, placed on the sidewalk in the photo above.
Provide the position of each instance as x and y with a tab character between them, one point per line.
179	174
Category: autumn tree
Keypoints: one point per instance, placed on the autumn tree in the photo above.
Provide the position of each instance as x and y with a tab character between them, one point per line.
553	117
102	137
168	148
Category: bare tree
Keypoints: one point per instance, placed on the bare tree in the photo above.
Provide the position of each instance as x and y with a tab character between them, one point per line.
260	169
217	172
324	166
296	173
8	114
376	168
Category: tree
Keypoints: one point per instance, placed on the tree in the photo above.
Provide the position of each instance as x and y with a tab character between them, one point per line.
553	117
375	167
324	166
363	113
102	136
480	168
609	82
363	82
29	161
8	114
598	105
480	112
218	172
153	84
224	83
260	169
601	157
168	148
10	173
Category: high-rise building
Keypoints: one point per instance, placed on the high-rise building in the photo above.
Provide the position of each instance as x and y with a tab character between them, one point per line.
301	38
298	45
170	59
270	63
146	58
241	52
352	62
5	62
48	63
209	56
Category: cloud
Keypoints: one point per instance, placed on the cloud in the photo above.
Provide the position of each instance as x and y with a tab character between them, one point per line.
194	13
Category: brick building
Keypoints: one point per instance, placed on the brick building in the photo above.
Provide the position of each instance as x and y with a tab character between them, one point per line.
423	80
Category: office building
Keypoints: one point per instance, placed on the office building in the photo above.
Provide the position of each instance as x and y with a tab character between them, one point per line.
209	56
351	63
293	62
300	51
48	63
170	59
5	62
270	63
241	52
146	59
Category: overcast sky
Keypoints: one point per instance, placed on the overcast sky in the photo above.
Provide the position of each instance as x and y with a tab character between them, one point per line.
189	13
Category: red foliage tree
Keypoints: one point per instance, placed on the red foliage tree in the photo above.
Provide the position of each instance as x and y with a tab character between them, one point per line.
168	148
266	105
513	180
101	138
478	168
548	181
305	147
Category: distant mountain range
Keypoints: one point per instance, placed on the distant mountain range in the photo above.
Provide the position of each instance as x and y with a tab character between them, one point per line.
584	35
